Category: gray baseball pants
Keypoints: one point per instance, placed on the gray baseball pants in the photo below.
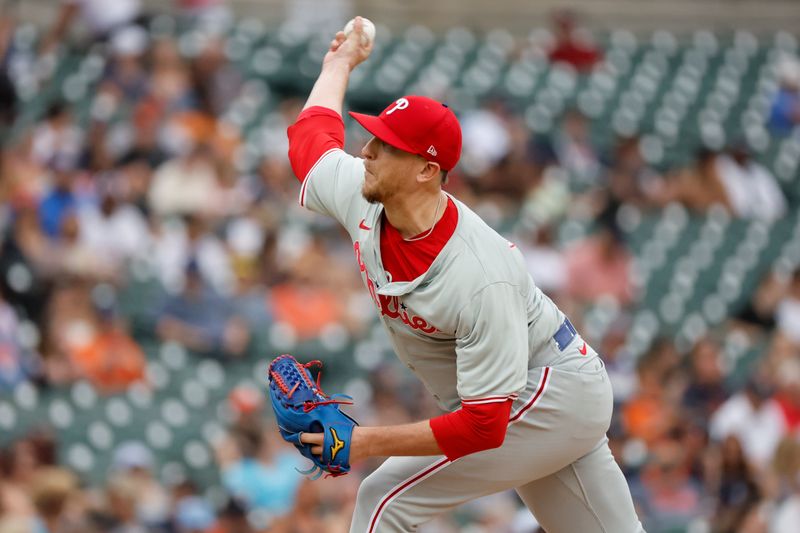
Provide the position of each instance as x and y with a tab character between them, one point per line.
555	455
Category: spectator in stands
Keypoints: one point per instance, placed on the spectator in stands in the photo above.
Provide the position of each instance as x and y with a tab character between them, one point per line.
187	184
53	490
126	74
60	201
111	360
217	81
57	140
133	467
498	160
571	148
206	11
233	517
27	263
17	362
754	418
8	93
194	515
630	179
100	17
787	515
180	244
667	496
259	471
314	294
700	186
25	179
546	263
69	324
787	312
620	363
114	230
121	493
785	111
572	46
201	320
649	415
788	396
750	186
759	314
170	84
737	491
705	391
486	138
20	462
600	265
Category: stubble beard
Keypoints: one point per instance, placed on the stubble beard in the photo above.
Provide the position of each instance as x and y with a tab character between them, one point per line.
372	196
375	192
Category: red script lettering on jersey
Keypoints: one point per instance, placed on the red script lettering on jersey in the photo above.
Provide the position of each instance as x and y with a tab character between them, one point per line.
390	305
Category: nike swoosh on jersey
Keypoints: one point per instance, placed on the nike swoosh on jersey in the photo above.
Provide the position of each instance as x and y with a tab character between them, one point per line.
582	349
362	225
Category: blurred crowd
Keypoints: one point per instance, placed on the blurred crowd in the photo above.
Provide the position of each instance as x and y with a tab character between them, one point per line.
148	190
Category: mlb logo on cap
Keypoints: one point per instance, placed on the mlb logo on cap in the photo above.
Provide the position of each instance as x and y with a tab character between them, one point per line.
419	125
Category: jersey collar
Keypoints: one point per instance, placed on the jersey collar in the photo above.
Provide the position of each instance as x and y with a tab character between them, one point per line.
400	288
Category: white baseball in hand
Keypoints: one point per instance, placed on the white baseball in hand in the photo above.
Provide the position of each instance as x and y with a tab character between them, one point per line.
369	30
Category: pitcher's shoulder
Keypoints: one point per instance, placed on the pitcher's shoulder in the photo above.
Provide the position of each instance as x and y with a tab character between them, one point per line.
482	256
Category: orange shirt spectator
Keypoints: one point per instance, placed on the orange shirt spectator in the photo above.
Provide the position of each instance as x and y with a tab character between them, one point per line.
307	310
111	361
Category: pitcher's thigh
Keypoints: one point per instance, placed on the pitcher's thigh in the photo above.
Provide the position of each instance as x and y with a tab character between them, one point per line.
405	492
589	495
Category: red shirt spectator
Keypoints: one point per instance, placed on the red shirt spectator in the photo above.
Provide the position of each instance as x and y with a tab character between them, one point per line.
569	47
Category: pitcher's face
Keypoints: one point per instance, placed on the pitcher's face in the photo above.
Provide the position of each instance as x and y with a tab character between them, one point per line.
388	171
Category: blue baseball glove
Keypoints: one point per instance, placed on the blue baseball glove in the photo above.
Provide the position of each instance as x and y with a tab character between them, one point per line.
301	407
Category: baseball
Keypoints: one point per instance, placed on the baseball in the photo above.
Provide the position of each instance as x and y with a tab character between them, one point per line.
369	30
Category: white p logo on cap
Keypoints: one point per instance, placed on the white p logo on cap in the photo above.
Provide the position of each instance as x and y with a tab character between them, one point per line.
400	103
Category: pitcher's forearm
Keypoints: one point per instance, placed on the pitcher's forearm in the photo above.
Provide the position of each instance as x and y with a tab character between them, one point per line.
330	87
404	440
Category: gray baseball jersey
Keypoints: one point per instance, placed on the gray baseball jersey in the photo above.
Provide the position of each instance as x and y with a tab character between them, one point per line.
475	327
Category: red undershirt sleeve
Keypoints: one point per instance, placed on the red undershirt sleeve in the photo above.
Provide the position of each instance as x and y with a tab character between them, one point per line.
473	428
316	131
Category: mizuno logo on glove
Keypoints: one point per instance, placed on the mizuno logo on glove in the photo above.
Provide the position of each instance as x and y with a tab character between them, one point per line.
337	445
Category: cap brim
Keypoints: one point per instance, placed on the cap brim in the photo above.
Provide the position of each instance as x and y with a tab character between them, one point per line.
379	129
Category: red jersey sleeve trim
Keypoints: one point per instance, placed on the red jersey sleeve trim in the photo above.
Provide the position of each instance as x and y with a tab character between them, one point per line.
473	428
489	399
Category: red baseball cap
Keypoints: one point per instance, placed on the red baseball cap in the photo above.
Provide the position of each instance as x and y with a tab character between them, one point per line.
419	125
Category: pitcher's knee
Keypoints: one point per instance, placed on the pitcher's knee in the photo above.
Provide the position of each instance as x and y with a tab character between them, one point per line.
375	509
370	492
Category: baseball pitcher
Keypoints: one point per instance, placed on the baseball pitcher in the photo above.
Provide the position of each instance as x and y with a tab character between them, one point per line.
528	402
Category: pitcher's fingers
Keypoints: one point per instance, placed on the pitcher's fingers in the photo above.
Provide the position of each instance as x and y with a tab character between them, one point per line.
337	41
312	438
316	450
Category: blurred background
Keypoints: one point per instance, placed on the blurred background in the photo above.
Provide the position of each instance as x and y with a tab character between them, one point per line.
643	155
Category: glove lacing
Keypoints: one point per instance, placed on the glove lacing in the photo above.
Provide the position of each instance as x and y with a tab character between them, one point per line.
310	405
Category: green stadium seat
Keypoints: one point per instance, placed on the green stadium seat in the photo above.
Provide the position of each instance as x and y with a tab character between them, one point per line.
158	435
174	412
60	413
118	412
80	457
157	375
100	435
8	417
